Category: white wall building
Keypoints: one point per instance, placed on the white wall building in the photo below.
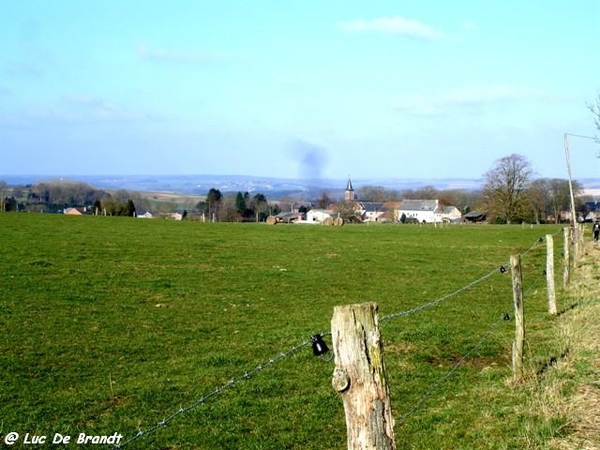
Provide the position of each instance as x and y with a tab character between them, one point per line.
428	211
319	215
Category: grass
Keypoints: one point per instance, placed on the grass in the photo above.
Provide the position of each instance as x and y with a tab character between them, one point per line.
571	389
112	324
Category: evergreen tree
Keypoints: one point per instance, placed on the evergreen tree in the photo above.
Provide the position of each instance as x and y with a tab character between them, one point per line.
214	199
129	209
240	203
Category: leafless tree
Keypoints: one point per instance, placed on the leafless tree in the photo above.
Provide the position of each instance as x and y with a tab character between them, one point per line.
506	188
594	107
3	188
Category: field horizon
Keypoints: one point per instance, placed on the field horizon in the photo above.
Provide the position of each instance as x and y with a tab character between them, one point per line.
273	187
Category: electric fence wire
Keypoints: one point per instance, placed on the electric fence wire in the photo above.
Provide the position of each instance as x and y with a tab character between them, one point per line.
454	368
229	384
438	301
538	242
460	290
293	350
459	363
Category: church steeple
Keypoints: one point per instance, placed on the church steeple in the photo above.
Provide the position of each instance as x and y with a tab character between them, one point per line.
349	193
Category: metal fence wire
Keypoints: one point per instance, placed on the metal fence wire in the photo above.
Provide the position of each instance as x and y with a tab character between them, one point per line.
288	353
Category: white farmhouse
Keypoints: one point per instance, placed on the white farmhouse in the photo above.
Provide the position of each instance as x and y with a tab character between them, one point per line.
319	215
371	211
428	211
450	214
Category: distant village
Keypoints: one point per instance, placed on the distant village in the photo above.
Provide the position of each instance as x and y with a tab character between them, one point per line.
218	207
350	209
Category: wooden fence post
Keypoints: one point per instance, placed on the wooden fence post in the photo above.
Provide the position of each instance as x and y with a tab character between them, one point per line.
581	240
360	377
518	344
575	245
550	274
567	256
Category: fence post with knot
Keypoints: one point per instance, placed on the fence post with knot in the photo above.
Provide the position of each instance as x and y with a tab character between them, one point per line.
519	342
550	275
360	377
566	256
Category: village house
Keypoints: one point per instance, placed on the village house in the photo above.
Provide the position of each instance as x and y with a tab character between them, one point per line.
365	211
145	215
428	211
320	215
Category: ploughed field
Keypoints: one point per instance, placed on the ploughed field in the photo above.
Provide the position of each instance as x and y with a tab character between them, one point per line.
113	325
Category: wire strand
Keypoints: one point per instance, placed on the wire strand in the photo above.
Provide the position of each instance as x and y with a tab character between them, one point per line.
441	380
229	384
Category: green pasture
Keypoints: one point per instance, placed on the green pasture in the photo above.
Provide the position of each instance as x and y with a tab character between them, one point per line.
113	324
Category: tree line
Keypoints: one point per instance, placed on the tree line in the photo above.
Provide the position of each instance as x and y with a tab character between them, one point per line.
55	196
509	194
235	207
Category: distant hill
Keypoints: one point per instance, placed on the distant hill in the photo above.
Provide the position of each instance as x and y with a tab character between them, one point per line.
273	188
270	186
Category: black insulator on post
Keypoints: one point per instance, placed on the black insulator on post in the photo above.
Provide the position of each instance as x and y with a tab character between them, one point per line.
318	345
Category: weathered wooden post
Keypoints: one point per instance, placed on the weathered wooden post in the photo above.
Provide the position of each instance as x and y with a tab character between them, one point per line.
550	274
581	240
360	377
575	244
518	344
567	256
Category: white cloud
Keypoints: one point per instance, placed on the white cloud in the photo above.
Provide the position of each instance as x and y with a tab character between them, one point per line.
417	105
175	56
21	69
468	98
469	25
395	25
479	95
77	110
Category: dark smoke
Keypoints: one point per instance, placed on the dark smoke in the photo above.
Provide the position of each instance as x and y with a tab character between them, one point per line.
311	158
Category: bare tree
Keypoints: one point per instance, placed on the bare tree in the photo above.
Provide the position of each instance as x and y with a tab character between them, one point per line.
423	193
347	211
539	199
506	188
377	194
324	201
3	188
594	107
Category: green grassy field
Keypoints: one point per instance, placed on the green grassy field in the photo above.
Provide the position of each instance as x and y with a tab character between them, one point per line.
113	324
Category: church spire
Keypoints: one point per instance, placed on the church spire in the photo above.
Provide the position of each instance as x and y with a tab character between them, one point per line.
349	194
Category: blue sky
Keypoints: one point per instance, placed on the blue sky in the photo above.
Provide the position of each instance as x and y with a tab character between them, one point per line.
299	89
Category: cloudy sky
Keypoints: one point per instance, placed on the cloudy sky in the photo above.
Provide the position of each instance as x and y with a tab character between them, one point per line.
310	88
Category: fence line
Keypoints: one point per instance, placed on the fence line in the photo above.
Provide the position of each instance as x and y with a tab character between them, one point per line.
295	349
459	363
433	303
439	300
231	383
440	381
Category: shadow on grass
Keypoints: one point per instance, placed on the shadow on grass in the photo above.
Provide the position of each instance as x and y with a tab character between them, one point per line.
567	309
552	362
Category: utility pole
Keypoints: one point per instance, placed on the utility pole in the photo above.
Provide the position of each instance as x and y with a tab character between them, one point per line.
568	158
574	225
